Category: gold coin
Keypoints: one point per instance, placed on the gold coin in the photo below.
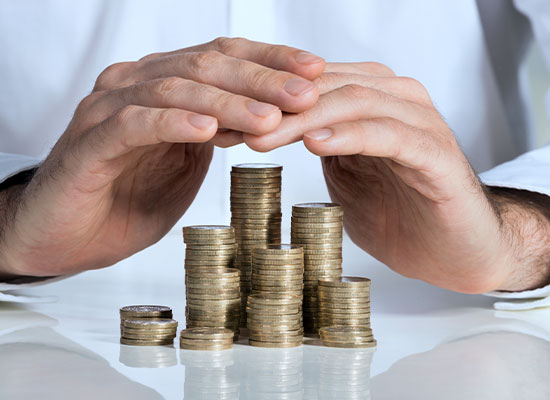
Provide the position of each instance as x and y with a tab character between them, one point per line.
143	311
152	325
148	337
256	343
210	347
206	333
346	281
140	342
349	345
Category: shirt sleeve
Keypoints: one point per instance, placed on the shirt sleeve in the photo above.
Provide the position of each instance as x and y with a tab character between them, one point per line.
13	164
530	171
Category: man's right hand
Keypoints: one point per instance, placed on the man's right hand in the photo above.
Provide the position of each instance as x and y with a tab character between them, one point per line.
138	148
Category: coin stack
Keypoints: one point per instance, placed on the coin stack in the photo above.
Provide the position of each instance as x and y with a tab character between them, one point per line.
206	339
278	269
211	247
274	320
344	312
144	312
159	332
255	215
213	299
317	227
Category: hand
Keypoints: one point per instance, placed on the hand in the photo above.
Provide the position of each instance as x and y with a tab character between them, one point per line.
138	148
411	198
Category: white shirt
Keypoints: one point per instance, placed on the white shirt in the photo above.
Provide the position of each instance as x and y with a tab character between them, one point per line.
52	53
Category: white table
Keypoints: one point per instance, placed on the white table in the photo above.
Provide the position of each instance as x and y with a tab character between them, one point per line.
432	344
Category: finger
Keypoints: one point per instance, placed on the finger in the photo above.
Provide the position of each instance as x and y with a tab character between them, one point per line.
227	139
136	126
348	103
232	111
283	58
288	91
380	137
364	68
407	88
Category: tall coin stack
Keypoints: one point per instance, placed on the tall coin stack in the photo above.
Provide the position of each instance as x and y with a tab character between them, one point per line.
278	269
212	287
274	320
255	215
317	227
344	312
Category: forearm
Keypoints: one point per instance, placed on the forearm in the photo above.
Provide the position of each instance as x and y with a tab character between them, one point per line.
9	199
525	224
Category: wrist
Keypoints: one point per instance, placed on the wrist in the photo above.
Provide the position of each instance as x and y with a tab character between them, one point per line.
525	236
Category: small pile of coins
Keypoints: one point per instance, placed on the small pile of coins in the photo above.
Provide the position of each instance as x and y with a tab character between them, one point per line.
206	339
344	312
213	299
318	228
255	215
274	320
147	326
278	269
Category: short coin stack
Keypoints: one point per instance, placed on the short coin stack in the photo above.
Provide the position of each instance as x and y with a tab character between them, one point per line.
145	312
274	320
344	312
147	325
255	215
206	339
213	299
317	227
278	269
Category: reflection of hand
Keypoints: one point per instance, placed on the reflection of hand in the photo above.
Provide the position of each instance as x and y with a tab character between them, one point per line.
495	365
411	198
138	148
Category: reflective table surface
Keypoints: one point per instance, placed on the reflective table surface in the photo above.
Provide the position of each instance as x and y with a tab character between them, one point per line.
432	344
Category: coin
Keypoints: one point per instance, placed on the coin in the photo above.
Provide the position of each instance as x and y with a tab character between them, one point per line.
145	311
158	324
206	333
140	342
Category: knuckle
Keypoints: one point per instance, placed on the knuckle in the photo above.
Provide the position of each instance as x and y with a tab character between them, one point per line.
228	45
203	60
257	143
259	78
111	74
89	102
125	115
414	86
354	90
165	87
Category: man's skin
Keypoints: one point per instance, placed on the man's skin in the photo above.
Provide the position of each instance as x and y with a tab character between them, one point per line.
137	150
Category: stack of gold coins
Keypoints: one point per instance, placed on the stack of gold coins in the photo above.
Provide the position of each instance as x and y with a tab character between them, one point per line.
149	333
274	320
344	312
213	299
211	247
317	227
206	339
255	215
144	312
278	269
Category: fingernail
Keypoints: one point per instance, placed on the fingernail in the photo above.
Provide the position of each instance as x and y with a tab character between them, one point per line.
261	109
297	86
304	57
201	121
319	134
